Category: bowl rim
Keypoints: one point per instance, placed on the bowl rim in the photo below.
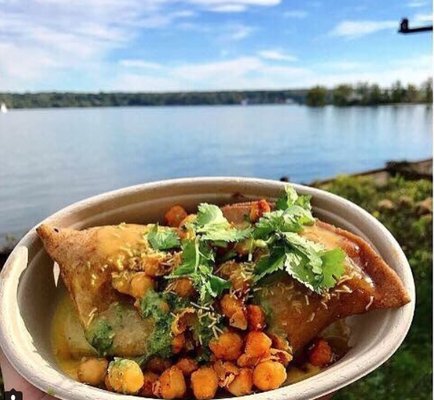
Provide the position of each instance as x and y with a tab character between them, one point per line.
9	280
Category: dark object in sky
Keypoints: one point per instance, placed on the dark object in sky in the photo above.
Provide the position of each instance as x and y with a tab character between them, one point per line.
404	27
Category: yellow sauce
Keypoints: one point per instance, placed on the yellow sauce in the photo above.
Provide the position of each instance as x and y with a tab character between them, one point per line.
67	338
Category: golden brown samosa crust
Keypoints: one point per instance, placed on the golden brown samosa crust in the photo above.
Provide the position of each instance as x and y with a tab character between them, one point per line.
81	268
368	284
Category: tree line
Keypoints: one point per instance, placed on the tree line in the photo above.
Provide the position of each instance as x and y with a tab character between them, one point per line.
365	94
342	95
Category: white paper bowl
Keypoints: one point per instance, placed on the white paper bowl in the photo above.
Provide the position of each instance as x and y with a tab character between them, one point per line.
28	294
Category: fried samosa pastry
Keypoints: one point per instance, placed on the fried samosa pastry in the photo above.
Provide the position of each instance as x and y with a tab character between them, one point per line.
299	314
108	269
99	267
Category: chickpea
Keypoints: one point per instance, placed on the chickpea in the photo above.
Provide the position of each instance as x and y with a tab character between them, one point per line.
204	383
320	354
258	344
226	372
258	209
125	376
280	342
269	375
157	364
245	360
171	384
92	371
256	317
187	366
184	231
242	384
154	265
227	346
175	215
183	287
281	356
149	379
140	284
178	343
234	309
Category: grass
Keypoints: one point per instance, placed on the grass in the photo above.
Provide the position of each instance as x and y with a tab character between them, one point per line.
404	207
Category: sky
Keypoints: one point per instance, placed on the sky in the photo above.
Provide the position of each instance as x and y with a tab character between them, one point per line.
183	45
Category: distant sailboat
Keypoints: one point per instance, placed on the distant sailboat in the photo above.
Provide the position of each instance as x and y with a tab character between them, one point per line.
3	108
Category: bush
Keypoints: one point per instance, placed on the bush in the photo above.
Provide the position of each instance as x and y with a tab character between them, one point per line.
405	208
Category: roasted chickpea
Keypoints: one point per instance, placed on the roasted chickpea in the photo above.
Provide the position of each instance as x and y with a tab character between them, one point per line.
175	215
256	317
154	265
158	364
171	384
92	371
245	360
242	384
227	346
281	356
149	379
226	372
320	354
184	231
204	383
258	209
140	284
125	376
178	343
234	309
258	344
187	366
269	375
183	287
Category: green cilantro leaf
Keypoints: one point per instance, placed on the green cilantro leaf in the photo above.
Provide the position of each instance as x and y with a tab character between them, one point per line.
304	260
332	267
291	198
270	263
211	225
297	265
163	238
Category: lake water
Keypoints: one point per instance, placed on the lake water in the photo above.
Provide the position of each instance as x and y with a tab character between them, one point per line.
51	158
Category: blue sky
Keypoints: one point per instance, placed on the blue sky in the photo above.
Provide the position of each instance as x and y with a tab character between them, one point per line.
169	45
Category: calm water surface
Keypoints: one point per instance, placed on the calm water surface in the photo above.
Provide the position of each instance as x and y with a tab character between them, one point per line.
51	158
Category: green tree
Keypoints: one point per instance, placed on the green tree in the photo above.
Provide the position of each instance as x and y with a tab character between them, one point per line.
317	96
397	92
412	94
342	95
375	95
427	91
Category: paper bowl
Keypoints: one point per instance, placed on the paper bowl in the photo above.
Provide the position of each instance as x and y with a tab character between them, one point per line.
28	295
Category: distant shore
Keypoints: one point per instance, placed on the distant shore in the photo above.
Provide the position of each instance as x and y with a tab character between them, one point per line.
360	94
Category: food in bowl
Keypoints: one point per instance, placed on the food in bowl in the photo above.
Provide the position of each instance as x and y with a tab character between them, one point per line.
238	299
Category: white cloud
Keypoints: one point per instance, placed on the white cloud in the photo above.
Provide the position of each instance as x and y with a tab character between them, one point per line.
251	72
235	32
299	14
428	17
276	55
128	63
229	8
356	29
417	3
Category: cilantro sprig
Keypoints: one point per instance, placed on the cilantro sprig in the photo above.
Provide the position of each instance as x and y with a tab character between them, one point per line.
198	259
304	260
210	229
211	225
163	238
